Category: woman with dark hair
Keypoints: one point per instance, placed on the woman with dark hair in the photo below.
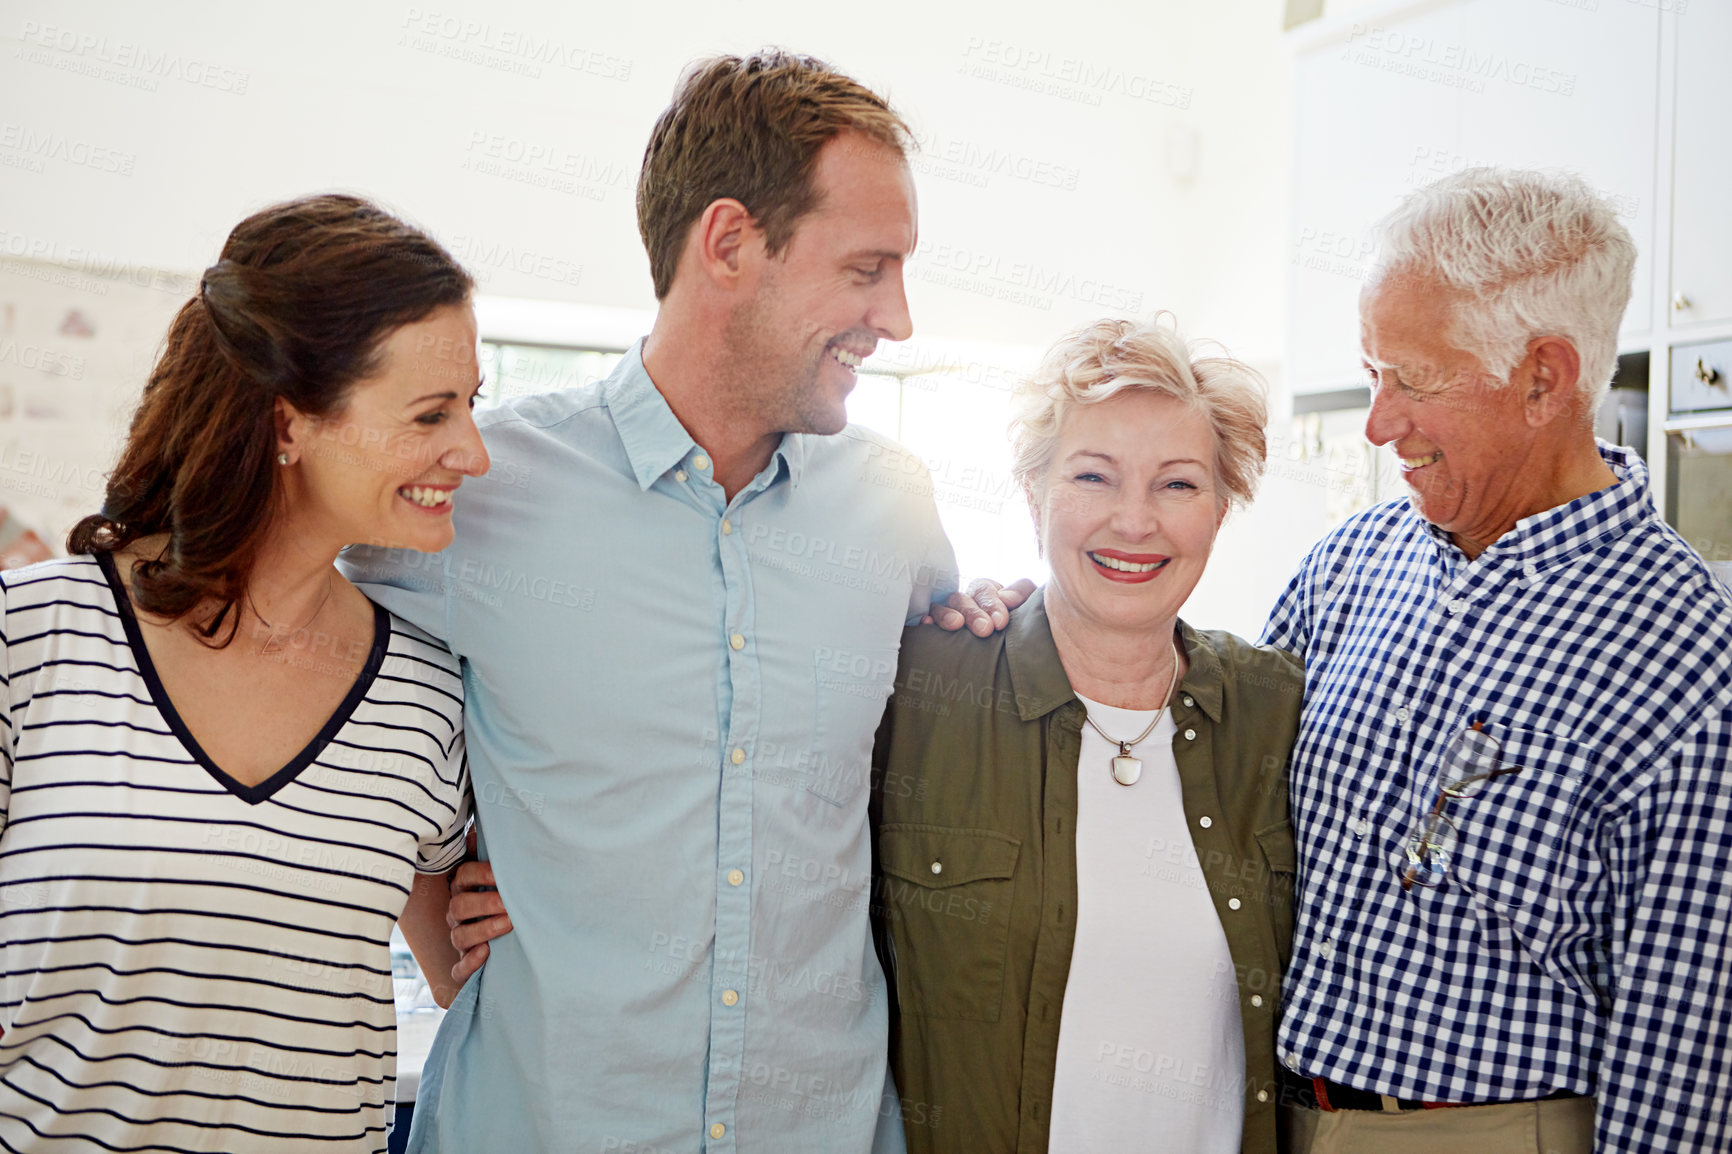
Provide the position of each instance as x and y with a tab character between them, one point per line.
224	772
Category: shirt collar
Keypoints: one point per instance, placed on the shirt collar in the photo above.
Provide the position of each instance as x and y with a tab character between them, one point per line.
792	451
1038	684
1037	679
653	437
1204	676
1554	535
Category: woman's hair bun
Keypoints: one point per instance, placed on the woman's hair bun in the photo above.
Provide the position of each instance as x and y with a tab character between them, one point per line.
240	326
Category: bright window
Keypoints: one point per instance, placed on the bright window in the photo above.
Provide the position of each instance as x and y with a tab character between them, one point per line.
515	370
958	428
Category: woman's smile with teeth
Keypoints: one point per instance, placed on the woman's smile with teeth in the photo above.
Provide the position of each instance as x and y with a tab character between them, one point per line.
427	498
1125	566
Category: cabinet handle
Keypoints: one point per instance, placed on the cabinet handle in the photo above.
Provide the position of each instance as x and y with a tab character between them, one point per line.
1705	372
1680	302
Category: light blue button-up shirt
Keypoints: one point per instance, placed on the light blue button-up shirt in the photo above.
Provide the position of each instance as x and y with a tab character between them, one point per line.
671	699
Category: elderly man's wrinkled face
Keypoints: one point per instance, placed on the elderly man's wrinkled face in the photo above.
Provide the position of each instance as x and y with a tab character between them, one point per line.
1461	436
1129	509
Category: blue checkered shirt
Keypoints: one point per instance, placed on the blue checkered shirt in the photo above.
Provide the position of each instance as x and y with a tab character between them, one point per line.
1581	939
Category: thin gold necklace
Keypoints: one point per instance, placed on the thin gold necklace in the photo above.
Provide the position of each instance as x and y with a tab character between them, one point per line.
273	643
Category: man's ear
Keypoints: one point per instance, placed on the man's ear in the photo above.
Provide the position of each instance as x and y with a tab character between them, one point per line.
724	238
1550	378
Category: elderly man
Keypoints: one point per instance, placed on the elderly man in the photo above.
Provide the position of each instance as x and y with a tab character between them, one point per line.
1510	786
677	640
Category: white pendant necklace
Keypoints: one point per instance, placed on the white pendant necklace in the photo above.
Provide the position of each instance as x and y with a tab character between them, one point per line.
1127	769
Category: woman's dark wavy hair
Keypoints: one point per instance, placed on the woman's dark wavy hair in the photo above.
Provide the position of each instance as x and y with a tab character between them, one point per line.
298	306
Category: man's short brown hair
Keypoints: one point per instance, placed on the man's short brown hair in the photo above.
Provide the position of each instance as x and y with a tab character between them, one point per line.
751	129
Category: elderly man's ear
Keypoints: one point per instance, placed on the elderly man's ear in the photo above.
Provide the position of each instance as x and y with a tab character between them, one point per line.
1551	377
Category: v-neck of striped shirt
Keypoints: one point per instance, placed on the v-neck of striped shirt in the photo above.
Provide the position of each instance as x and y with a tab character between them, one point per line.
251	794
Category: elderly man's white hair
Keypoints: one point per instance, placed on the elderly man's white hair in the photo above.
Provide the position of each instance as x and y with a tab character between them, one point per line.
1534	254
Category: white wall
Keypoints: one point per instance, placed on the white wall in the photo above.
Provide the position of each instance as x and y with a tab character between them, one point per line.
1151	171
1177	201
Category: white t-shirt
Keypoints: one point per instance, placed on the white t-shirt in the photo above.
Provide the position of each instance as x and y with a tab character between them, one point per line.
188	963
1151	1053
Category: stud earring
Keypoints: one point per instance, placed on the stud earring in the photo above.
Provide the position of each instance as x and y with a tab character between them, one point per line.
282	458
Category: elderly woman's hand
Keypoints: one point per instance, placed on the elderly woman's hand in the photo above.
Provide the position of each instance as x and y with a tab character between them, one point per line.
985	608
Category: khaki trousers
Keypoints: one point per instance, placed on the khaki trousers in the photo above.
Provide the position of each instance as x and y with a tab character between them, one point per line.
1552	1126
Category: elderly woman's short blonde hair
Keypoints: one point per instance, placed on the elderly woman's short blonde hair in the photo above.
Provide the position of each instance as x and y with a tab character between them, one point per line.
1111	356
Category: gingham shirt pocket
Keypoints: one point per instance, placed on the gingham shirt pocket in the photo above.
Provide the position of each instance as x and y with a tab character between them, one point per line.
1512	834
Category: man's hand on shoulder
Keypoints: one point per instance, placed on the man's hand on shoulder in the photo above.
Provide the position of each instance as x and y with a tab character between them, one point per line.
985	608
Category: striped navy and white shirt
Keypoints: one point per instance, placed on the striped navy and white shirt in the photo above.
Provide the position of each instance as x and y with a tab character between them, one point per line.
188	963
1581	939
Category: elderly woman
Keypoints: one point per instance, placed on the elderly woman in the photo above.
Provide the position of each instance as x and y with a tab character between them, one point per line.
1086	861
224	772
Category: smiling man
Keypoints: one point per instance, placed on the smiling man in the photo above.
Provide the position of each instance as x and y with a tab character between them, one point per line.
677	641
1510	788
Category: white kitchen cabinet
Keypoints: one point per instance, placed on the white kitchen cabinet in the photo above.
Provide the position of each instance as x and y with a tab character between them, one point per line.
1701	283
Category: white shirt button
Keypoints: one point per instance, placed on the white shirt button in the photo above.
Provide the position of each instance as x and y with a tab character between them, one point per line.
1262	1095
701	462
1401	715
1325	949
1256	999
1205	821
937	867
737	641
735	877
1232	903
718	1130
1187	700
1190	735
737	756
730	998
1291	1061
1457	605
1361	827
679	475
727	526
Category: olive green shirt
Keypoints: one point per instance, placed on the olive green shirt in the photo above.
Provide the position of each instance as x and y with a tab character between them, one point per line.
976	801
